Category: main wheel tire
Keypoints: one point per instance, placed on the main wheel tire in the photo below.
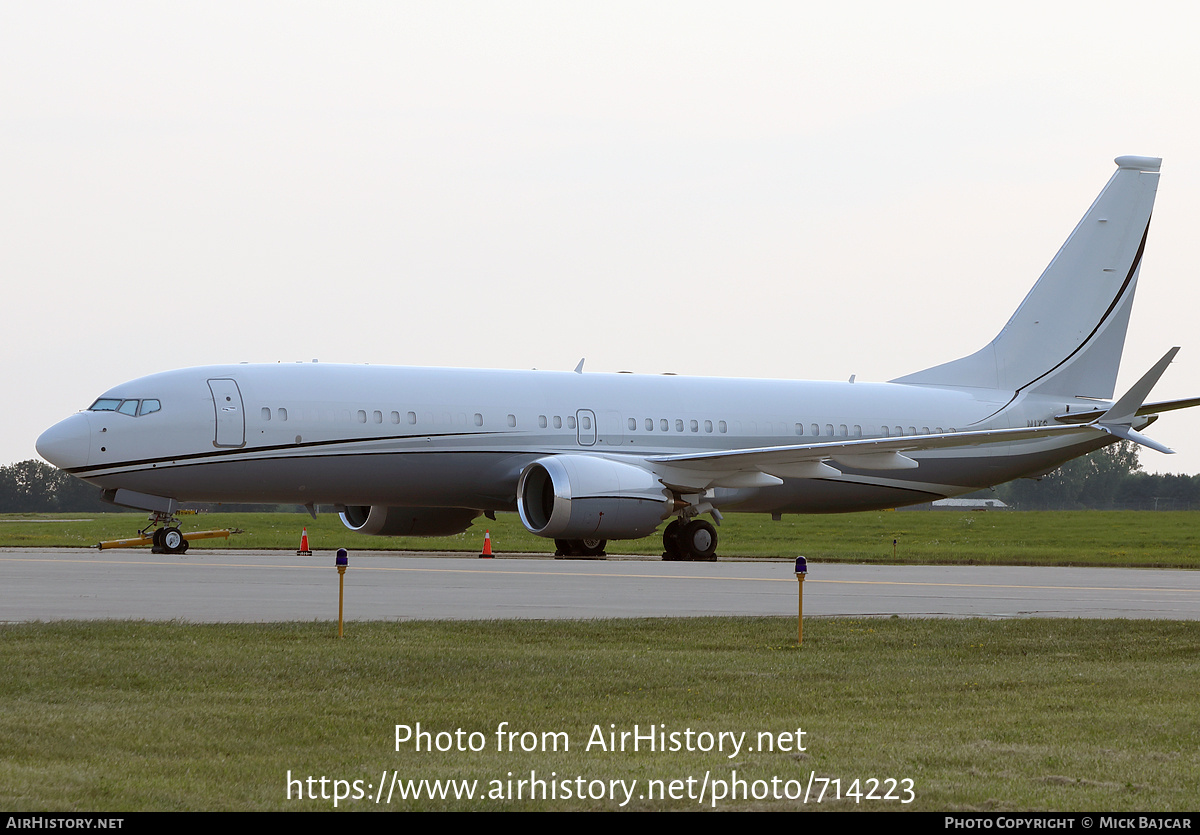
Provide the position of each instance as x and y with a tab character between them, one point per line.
590	547
698	540
670	538
172	541
580	547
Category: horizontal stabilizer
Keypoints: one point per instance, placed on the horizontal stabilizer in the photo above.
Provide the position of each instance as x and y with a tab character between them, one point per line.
1147	409
1168	406
1128	433
1118	420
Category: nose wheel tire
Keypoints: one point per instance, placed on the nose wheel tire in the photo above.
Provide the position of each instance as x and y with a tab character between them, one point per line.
171	540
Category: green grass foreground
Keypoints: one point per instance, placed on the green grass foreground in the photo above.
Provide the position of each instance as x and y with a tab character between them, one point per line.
979	715
1110	538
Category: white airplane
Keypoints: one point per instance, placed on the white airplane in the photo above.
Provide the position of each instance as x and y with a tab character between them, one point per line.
586	458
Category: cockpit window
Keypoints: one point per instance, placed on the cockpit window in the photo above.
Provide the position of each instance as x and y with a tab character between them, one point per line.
125	407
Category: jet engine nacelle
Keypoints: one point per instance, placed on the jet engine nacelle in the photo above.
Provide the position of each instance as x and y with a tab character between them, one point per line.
588	497
408	521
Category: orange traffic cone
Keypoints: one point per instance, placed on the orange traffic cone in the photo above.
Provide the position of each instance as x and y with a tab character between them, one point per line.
304	551
487	546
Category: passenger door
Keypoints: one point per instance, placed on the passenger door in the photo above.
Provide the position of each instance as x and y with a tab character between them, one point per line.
231	420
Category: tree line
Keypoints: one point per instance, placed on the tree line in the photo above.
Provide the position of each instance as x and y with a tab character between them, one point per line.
1108	479
36	487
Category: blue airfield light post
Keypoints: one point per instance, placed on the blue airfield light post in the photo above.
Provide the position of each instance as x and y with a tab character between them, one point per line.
341	562
801	570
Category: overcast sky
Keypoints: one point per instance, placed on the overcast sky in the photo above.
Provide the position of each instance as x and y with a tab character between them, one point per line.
792	190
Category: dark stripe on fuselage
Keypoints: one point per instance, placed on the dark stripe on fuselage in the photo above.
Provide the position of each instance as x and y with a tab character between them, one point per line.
83	472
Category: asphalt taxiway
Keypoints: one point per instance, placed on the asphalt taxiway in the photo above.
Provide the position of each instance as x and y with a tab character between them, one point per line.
209	585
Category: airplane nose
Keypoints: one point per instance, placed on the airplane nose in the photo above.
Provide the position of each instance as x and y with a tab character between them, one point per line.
67	443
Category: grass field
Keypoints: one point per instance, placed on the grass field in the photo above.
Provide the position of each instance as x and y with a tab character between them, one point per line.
1110	538
979	715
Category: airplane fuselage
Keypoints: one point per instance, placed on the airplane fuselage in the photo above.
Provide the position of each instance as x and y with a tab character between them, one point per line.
435	437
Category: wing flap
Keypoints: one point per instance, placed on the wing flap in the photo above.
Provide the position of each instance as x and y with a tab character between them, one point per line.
809	460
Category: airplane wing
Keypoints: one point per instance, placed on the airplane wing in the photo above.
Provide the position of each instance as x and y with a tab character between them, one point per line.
766	466
1147	409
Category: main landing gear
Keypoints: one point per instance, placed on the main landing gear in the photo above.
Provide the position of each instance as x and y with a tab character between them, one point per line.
692	541
587	548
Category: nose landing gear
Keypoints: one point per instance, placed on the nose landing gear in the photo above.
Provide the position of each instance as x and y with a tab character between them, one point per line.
168	540
163	533
165	540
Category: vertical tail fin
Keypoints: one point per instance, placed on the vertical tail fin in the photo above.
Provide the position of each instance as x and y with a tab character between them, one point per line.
1067	336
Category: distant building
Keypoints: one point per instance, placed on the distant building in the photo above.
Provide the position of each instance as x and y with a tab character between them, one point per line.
960	504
